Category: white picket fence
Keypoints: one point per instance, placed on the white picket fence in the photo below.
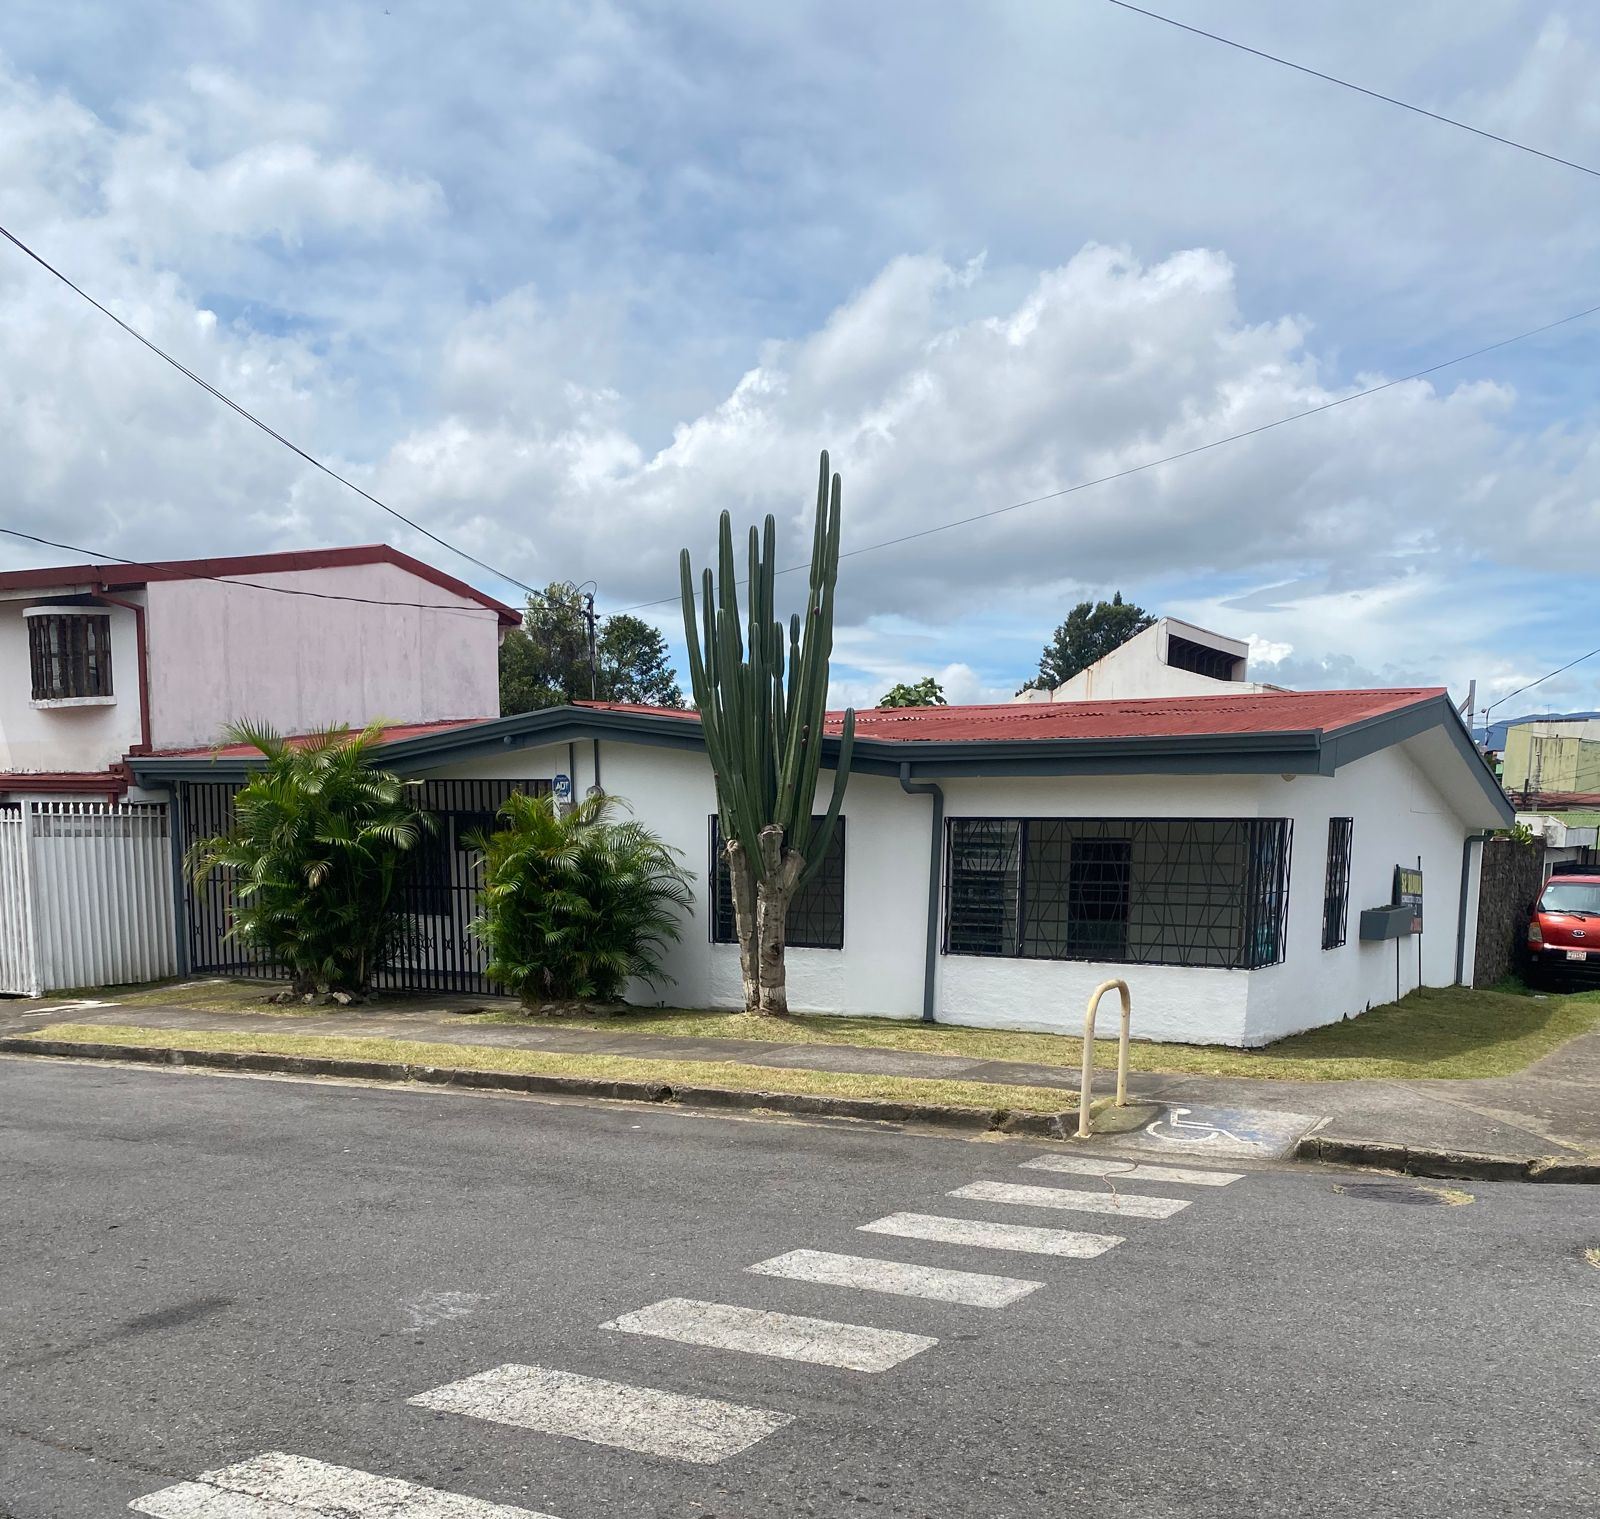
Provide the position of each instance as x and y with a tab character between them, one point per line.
85	895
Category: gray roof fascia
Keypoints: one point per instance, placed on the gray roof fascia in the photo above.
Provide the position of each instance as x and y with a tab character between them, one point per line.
1345	745
1296	753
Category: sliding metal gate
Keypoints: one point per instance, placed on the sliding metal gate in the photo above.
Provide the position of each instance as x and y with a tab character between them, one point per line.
439	895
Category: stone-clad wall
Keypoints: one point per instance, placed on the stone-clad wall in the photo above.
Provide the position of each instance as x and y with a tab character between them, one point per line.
1512	875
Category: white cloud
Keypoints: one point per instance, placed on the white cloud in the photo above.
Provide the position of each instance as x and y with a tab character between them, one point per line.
585	279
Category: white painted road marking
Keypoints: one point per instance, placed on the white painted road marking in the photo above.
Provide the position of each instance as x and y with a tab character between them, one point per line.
1064	1197
976	1289
987	1236
1130	1170
641	1419
280	1486
724	1326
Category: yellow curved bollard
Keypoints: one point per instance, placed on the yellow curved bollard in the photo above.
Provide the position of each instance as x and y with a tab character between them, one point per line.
1085	1093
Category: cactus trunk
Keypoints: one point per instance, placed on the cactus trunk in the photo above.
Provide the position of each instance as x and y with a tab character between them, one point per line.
743	881
762	716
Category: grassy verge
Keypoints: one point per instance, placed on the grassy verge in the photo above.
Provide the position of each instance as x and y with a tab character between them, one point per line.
726	1074
1444	1032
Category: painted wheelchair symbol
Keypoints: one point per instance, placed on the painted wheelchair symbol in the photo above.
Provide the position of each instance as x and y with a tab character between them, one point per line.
1190	1131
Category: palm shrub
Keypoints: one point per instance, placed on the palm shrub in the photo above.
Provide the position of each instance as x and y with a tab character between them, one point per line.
317	850
576	903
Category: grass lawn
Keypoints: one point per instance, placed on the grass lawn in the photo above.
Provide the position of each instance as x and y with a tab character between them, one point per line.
474	1057
1438	1032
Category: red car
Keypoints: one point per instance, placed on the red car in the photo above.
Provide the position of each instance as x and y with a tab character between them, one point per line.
1564	931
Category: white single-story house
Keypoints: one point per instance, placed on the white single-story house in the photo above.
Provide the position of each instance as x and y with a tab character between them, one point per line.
1223	853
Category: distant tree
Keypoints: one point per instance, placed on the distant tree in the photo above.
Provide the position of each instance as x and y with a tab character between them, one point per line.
545	662
926	692
1092	630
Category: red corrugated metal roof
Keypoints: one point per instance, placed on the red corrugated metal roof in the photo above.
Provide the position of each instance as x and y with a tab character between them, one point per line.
390	735
1151	717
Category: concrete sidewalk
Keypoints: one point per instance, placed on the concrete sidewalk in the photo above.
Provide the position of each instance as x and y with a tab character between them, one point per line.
1501	1126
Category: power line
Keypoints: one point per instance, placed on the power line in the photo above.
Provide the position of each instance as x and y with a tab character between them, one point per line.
1532	683
1186	453
1405	105
256	421
177	567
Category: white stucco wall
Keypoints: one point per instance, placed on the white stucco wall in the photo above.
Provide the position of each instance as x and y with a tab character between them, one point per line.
219	652
1139	669
65	738
1398	814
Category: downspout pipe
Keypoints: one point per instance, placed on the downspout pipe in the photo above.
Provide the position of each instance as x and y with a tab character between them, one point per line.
143	651
930	954
1466	882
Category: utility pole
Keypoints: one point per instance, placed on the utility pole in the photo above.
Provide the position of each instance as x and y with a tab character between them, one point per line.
588	622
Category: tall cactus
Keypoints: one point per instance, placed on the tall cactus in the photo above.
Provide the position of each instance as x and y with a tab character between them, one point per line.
762	716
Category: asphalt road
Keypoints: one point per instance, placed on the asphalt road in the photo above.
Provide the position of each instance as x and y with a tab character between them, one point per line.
197	1269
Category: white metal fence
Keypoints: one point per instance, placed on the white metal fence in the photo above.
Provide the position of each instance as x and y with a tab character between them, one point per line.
85	895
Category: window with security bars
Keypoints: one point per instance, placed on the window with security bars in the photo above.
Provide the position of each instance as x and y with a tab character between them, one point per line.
1130	891
69	655
816	913
1336	893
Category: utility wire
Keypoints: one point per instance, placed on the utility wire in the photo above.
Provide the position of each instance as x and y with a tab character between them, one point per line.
1187	453
1532	683
1405	105
177	567
256	421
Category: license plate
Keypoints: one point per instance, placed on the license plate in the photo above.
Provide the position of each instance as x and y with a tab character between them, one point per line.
1577	954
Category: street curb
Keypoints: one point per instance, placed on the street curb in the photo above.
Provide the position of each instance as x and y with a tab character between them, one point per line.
1450	1165
874	1109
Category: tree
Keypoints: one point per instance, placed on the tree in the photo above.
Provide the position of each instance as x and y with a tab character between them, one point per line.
926	692
317	848
545	662
1092	630
576	902
763	732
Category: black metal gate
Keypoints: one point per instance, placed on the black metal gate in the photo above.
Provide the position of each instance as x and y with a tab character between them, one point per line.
439	895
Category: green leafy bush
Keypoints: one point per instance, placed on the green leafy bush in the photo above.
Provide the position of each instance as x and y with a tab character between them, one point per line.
576	903
317	848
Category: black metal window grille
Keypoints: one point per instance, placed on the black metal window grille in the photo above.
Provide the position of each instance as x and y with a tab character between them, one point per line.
1336	892
816	915
1122	890
70	655
439	891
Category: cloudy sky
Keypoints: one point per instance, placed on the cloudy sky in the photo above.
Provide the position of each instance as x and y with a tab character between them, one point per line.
565	280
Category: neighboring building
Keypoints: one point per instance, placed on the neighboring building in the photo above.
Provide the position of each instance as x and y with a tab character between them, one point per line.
1169	658
996	862
1552	754
103	662
1492	736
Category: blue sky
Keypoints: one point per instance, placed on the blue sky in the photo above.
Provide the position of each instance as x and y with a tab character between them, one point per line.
564	281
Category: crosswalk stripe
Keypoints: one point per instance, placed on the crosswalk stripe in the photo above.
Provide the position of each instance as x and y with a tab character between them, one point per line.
1130	1170
280	1486
1122	1203
821	1342
975	1289
988	1236
641	1419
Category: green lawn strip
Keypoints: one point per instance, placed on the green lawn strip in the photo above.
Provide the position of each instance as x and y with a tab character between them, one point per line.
726	1074
1444	1032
